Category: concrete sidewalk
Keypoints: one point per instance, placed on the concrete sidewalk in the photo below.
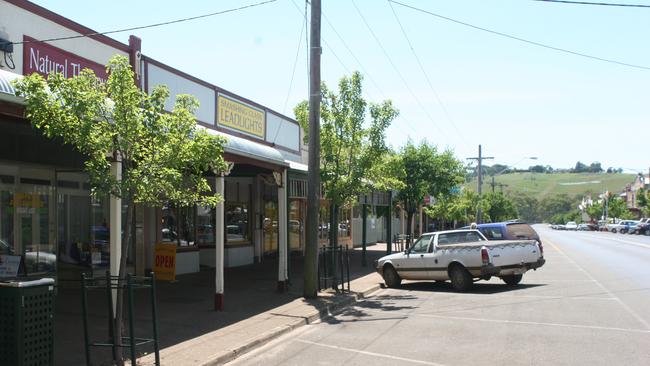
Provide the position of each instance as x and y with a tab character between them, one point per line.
224	345
190	331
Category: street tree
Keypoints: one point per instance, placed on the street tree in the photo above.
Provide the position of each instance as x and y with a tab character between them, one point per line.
424	171
352	143
459	209
163	156
499	207
527	206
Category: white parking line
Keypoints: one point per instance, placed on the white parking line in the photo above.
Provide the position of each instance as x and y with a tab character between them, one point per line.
624	305
506	321
367	353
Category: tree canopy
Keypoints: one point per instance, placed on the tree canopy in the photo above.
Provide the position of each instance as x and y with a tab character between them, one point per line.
352	139
424	171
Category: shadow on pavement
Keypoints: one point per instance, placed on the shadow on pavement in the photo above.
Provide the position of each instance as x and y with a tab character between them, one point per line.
185	307
476	289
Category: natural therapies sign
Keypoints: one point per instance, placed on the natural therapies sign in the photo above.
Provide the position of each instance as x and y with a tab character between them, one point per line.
241	117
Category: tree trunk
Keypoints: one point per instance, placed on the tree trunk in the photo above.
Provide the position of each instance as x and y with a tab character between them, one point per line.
119	313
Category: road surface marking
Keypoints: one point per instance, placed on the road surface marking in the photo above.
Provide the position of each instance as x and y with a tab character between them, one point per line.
624	241
367	353
498	296
517	322
624	305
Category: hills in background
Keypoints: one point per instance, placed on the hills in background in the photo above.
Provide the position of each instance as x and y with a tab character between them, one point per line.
543	185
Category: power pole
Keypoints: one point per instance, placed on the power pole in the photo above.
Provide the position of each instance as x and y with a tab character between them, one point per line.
493	184
313	176
480	159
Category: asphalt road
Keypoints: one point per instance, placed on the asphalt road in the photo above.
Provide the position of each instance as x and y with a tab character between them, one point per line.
589	305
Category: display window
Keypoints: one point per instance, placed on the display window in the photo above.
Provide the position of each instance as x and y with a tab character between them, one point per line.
178	225
237	218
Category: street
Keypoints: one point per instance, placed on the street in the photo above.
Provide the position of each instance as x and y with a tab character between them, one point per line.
589	304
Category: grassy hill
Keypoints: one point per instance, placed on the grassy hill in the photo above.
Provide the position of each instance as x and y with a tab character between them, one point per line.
541	185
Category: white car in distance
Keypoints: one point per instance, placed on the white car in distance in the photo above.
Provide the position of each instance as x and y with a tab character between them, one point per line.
571	225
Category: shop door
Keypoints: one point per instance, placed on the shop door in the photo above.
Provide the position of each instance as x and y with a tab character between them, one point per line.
34	229
270	227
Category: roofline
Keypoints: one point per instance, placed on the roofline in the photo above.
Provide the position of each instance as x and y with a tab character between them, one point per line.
70	24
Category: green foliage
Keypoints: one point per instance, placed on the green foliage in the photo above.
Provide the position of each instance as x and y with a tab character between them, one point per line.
499	207
527	206
596	210
165	156
594	167
459	208
424	171
354	156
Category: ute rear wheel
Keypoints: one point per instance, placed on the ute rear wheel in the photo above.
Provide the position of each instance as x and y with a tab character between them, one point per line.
461	279
512	280
391	277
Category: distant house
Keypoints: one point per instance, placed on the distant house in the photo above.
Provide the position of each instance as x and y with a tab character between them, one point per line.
631	191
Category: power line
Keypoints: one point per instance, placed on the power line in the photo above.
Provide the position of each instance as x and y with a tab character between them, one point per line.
347	70
522	39
354	56
595	3
426	75
295	62
396	69
150	25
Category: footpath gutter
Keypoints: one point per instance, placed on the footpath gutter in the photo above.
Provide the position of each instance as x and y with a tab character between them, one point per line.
226	344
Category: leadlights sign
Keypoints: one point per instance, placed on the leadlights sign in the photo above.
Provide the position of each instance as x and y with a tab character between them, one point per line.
239	116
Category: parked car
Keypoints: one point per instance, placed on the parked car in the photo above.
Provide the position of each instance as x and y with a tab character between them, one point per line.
584	227
615	227
461	256
643	227
627	225
571	225
508	230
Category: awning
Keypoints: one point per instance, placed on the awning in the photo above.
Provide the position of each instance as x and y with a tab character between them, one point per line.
250	149
235	145
7	91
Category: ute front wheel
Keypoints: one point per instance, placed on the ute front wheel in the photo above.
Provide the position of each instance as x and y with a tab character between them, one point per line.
391	277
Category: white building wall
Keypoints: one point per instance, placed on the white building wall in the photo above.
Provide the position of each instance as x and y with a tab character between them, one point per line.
180	85
16	22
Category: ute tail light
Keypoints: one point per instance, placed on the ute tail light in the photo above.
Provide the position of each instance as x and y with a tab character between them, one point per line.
485	256
541	247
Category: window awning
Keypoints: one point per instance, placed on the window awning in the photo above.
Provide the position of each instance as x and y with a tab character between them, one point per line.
235	145
7	91
250	149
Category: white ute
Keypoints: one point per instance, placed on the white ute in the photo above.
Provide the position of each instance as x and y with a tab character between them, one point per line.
461	256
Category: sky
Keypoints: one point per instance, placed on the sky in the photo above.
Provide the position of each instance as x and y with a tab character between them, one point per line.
516	99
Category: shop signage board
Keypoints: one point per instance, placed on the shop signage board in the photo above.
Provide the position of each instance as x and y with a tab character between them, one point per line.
43	58
241	117
164	265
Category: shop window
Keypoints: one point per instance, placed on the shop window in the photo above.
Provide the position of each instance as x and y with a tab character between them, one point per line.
178	225
345	224
205	230
296	224
6	223
238	223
